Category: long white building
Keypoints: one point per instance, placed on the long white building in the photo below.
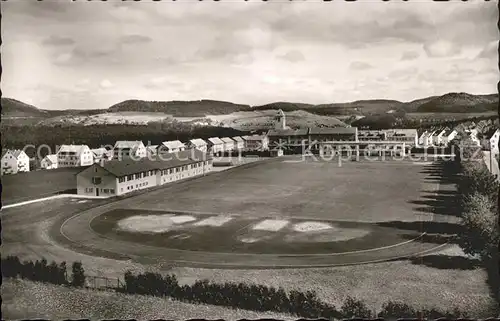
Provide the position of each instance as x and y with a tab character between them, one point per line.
120	177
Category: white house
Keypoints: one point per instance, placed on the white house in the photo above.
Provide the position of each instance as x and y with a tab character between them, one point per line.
74	156
422	138
151	151
429	138
120	177
15	161
198	144
215	145
437	139
256	142
125	149
49	162
473	136
493	136
449	136
101	155
239	143
228	144
407	136
171	146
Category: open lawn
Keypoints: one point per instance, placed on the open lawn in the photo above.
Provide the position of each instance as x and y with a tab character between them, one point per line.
37	184
28	300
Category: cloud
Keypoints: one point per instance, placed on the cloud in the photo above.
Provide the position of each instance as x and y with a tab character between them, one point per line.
135	39
58	41
410	55
442	48
360	65
292	56
105	83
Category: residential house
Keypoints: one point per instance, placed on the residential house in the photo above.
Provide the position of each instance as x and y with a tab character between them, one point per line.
423	137
125	149
407	136
437	139
449	136
171	146
49	162
215	145
239	143
151	151
492	137
198	144
101	155
228	144
120	177
256	142
74	156
15	161
473	135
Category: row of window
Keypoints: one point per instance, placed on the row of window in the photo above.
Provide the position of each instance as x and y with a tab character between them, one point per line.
131	187
104	190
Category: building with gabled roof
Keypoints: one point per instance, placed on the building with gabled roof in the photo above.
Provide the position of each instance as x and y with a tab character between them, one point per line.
491	138
256	142
118	177
74	156
239	143
215	145
14	161
198	143
228	144
125	149
101	154
49	162
171	146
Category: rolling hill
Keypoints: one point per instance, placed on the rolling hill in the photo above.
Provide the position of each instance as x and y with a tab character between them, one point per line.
14	108
197	108
222	113
459	102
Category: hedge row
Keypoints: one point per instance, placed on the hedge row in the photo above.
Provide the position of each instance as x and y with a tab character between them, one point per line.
265	298
229	294
53	273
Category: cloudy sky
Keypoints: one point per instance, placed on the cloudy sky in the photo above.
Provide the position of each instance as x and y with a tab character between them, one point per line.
58	54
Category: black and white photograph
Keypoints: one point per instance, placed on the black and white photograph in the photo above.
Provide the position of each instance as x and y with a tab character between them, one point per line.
239	159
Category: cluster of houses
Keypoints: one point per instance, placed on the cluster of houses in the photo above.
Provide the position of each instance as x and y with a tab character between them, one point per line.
130	165
14	161
484	133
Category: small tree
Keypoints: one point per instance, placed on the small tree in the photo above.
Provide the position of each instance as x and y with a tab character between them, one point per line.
394	309
78	274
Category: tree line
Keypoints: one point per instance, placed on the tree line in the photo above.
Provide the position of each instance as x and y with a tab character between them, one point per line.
478	198
230	294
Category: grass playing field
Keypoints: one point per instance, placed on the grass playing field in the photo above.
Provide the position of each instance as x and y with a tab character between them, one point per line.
356	191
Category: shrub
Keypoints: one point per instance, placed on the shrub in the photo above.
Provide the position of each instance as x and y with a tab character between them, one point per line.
353	308
394	309
480	235
78	274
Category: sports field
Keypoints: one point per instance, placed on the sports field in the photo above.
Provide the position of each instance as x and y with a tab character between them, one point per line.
355	191
275	213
